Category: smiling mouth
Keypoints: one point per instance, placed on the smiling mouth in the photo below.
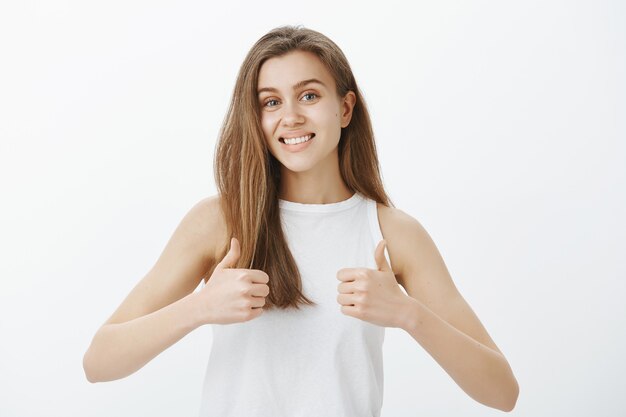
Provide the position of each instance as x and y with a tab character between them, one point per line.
300	139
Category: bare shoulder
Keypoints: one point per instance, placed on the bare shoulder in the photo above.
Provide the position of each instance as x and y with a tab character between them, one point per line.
422	272
207	219
220	239
408	242
184	262
395	219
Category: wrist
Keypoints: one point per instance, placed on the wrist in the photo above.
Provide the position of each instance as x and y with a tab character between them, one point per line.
410	314
196	309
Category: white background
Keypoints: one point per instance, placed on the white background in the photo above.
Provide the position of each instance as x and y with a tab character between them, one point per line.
500	127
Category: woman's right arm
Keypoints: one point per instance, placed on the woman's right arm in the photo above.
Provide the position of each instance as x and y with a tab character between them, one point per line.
162	308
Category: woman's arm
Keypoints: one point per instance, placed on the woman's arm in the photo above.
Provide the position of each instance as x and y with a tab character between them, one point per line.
440	320
481	371
162	307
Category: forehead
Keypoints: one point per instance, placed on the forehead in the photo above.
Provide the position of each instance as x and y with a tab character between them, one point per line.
282	72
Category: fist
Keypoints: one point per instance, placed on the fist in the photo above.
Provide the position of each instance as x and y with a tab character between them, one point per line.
372	295
233	295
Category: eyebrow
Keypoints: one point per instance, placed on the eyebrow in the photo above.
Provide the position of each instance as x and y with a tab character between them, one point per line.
295	86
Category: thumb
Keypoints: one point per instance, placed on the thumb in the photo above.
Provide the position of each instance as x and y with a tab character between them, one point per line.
232	256
379	254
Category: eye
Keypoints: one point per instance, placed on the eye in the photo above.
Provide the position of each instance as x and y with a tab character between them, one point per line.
268	105
269	101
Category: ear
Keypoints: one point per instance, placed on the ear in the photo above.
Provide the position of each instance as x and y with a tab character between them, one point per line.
347	105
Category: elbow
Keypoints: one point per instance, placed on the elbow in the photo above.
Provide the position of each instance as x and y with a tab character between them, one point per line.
88	368
97	363
93	360
514	398
507	389
92	364
508	407
500	391
510	399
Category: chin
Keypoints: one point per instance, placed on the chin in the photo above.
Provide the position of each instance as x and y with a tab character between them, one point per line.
297	167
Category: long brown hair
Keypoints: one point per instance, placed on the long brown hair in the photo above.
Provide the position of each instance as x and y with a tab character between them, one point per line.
247	175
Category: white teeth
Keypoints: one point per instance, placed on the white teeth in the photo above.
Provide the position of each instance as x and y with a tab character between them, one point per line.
301	139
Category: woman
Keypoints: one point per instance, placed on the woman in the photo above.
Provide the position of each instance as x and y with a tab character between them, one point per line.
291	249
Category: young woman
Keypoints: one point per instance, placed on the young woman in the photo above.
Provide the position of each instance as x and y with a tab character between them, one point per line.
291	252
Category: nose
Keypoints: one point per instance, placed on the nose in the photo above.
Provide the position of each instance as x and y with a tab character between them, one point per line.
292	115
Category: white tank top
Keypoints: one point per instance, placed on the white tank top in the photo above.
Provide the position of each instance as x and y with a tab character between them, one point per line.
316	362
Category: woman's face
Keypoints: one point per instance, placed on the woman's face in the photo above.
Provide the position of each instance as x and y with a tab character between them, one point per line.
293	105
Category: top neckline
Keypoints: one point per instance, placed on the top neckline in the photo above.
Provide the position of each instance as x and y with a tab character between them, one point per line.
320	208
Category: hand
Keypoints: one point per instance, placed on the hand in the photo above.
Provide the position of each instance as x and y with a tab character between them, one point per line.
232	294
372	295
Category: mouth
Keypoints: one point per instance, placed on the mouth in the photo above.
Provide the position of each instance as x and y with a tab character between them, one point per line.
296	140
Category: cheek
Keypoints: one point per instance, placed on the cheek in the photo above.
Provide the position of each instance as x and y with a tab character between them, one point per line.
267	124
327	115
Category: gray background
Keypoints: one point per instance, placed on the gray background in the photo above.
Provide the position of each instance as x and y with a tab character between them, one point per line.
500	127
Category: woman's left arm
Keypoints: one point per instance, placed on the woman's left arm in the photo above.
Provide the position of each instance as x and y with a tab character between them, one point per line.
441	321
481	371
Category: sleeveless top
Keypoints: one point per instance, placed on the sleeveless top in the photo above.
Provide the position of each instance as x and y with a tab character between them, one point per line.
315	362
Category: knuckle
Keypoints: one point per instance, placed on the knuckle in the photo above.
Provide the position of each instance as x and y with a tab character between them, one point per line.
363	273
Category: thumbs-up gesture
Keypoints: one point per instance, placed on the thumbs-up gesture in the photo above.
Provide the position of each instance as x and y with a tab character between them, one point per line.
233	294
372	295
